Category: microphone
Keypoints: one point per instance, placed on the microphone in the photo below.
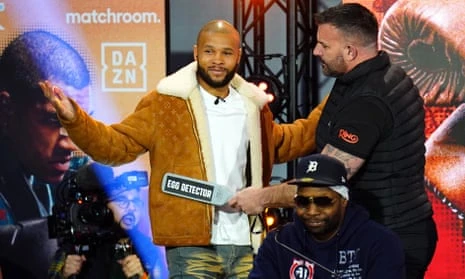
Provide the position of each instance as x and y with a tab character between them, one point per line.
124	248
217	101
334	273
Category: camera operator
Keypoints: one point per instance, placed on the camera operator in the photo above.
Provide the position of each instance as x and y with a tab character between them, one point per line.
126	253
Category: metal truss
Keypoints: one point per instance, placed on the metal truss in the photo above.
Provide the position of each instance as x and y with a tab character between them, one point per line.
293	65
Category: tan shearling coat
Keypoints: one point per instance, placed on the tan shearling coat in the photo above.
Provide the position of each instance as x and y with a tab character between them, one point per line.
170	123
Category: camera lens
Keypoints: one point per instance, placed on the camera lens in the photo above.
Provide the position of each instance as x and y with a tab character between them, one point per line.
96	214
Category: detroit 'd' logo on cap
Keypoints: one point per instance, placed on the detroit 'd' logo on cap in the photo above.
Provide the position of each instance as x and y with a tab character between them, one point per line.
312	166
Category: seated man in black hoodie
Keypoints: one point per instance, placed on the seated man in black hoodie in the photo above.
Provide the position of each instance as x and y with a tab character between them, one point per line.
330	236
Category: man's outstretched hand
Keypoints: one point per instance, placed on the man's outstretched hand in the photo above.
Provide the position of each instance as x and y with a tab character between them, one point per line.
59	100
254	200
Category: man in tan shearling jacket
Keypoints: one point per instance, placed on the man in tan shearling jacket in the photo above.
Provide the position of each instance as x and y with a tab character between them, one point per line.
172	123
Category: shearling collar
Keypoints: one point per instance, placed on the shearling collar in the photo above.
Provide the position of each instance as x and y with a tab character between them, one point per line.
183	82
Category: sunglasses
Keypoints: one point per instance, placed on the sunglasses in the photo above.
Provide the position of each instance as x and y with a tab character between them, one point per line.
304	202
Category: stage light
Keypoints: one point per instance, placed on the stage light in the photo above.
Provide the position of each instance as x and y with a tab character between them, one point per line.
276	217
273	88
271	218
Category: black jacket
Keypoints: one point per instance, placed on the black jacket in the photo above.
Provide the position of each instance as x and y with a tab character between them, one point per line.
361	249
391	182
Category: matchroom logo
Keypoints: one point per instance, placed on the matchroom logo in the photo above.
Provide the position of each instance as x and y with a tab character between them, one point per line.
124	67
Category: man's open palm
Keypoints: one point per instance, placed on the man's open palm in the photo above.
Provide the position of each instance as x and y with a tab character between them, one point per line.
59	100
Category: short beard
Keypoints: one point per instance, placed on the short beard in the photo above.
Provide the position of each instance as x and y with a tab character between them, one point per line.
202	73
334	71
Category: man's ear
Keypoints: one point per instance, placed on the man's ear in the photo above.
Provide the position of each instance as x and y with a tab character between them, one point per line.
6	110
350	52
195	53
345	203
240	56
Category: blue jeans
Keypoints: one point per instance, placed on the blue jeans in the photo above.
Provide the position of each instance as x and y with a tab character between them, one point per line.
217	261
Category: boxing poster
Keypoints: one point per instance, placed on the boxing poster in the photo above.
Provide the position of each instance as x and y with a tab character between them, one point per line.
425	38
116	53
123	44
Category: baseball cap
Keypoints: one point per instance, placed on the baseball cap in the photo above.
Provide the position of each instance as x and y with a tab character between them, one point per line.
127	181
320	170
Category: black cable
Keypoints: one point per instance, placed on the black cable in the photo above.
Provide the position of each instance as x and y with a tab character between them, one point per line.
333	273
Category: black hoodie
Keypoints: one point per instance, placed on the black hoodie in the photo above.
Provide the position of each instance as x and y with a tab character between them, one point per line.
361	249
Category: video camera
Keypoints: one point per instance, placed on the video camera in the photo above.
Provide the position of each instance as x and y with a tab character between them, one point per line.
80	214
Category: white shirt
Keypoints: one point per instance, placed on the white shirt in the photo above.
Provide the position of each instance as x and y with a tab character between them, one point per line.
229	139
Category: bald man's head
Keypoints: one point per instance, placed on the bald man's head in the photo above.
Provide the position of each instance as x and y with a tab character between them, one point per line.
219	26
218	54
